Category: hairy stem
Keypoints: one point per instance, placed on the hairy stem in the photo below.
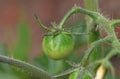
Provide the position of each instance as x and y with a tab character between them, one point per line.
26	66
114	23
92	27
42	26
76	10
92	5
94	45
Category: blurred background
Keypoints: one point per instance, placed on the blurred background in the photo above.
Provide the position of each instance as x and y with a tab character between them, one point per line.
12	12
20	33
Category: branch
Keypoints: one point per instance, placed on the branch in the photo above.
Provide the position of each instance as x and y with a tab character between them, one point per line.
40	73
114	23
42	26
75	10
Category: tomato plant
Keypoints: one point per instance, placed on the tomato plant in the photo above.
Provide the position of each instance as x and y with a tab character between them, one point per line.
58	43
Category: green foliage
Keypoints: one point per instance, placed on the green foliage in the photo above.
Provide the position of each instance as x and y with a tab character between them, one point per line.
87	62
9	72
22	48
8	76
21	51
52	66
79	27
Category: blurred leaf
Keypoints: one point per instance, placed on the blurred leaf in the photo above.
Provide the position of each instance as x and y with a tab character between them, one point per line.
8	76
3	50
56	66
7	71
41	61
23	44
4	67
79	27
97	54
22	48
52	66
109	76
75	57
21	73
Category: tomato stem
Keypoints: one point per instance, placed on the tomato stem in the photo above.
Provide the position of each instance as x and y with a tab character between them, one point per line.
92	5
76	33
93	45
75	10
40	73
114	23
42	26
94	35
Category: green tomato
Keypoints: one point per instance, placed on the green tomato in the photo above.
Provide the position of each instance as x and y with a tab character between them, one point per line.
58	46
75	74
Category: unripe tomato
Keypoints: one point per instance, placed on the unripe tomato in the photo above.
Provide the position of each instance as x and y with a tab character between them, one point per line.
58	46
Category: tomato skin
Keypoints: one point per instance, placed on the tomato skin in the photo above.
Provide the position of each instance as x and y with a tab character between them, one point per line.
58	46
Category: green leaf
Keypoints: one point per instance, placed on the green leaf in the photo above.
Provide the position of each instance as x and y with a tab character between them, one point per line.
4	67
42	61
3	50
8	72
8	76
23	45
79	27
52	66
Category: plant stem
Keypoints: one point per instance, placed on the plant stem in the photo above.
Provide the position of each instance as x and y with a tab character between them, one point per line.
75	10
92	28
26	66
42	26
92	5
94	45
114	23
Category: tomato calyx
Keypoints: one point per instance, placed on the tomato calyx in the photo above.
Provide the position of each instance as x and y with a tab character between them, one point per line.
58	43
56	28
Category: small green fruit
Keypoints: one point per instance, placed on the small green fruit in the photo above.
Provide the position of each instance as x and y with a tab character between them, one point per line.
58	46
